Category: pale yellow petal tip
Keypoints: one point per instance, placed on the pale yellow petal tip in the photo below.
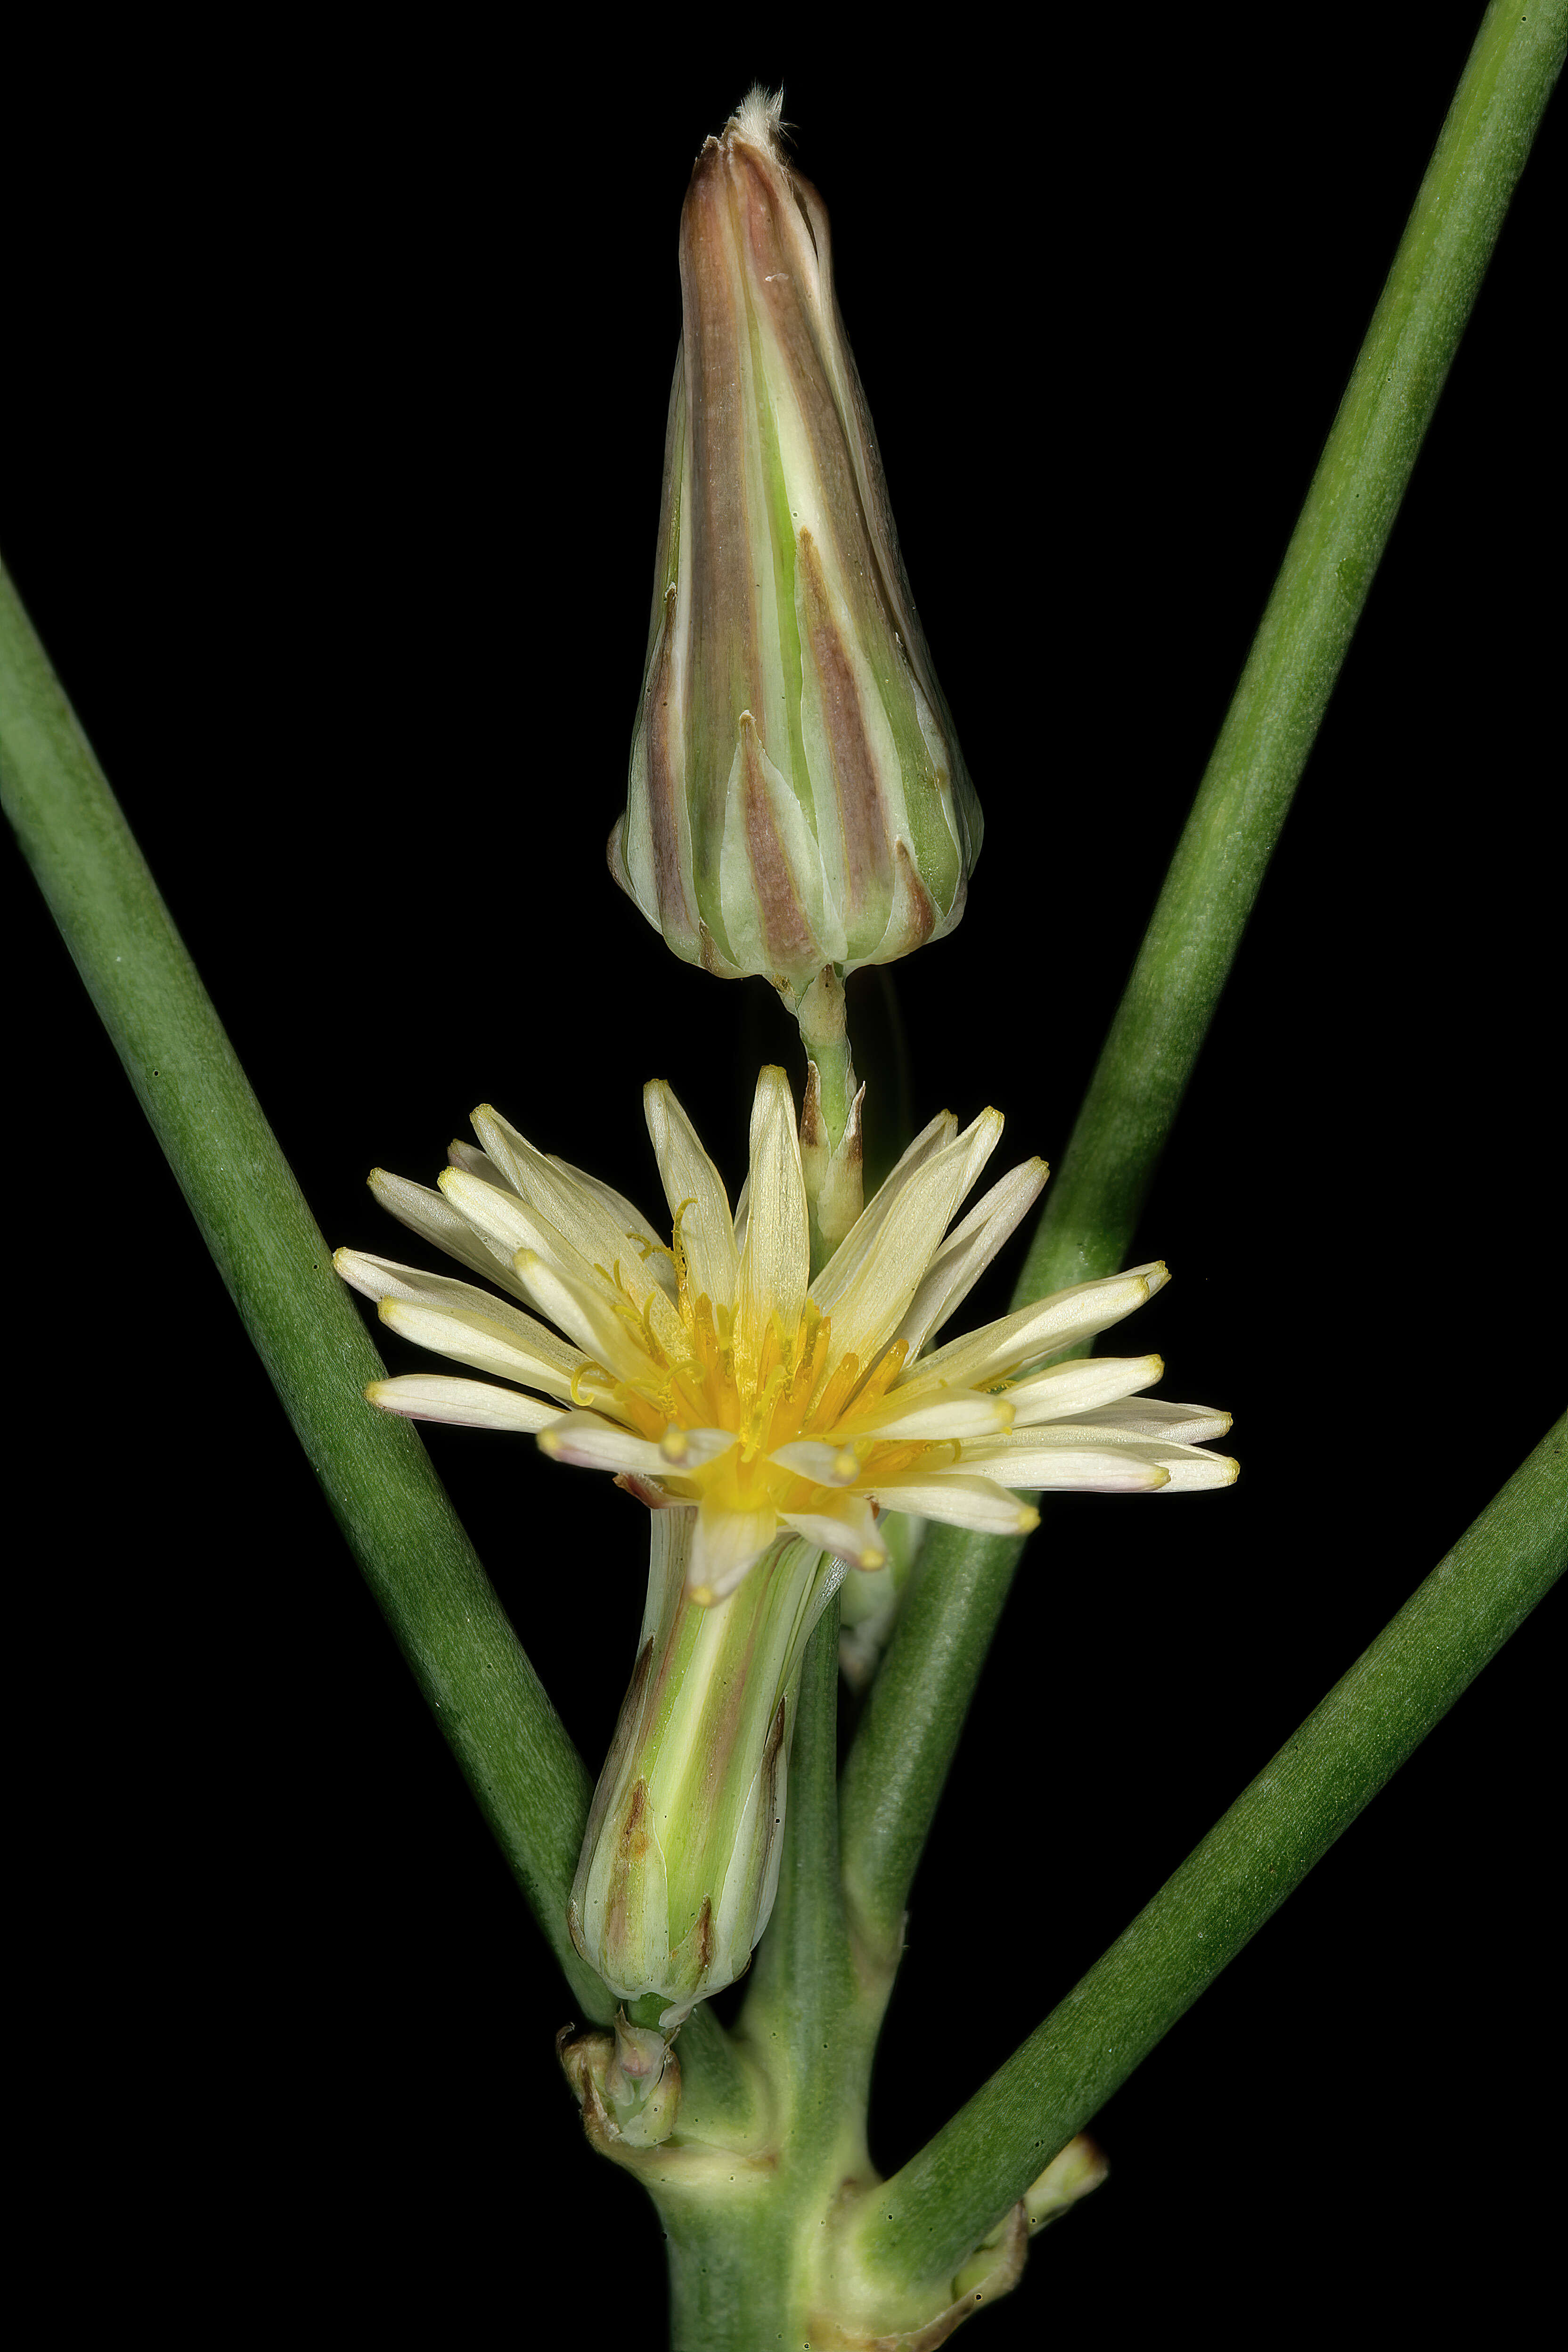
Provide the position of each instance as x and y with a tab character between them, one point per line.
372	1395
846	1466
1028	1520
340	1258
870	1559
1234	1466
548	1443
1157	1276
702	1594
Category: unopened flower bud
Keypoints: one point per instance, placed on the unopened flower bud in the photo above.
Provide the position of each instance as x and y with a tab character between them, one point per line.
797	796
1079	2167
680	1860
642	2083
628	2082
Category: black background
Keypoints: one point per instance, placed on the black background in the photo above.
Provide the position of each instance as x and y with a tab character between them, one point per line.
338	376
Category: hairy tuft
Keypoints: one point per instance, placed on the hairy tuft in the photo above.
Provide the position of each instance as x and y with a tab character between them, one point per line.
759	120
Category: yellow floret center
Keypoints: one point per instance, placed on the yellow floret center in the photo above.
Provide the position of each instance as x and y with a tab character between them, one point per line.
797	1390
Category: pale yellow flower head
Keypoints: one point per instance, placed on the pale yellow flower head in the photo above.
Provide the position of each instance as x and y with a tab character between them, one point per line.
706	1371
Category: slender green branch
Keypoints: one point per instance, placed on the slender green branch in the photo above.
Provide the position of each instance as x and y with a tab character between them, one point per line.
527	1776
914	1713
907	1734
929	2215
803	1981
1095	1196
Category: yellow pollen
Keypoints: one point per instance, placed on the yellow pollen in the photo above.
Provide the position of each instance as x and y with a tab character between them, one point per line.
882	1378
795	1390
645	1324
829	1406
678	1247
648	1416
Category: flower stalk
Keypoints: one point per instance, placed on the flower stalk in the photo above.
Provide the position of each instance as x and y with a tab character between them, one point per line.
831	1135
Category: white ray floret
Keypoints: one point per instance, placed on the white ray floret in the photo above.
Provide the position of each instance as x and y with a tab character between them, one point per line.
968	1251
711	1374
475	1404
1081	1387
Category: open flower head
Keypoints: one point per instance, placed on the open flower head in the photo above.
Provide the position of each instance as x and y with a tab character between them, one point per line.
707	1372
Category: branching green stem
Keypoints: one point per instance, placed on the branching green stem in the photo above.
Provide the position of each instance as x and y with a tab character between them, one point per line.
1095	1195
527	1776
913	1716
923	2220
906	1737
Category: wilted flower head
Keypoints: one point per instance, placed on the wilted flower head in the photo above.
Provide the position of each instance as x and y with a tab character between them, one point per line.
710	1372
797	796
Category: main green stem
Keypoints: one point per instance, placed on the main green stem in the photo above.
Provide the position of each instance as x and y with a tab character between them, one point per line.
742	2269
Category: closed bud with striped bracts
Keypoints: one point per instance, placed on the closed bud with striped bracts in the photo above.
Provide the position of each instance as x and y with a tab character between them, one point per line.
797	796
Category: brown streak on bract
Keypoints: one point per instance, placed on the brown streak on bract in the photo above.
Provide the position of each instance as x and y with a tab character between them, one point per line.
631	1838
652	1497
858	789
924	910
812	1126
709	955
785	932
